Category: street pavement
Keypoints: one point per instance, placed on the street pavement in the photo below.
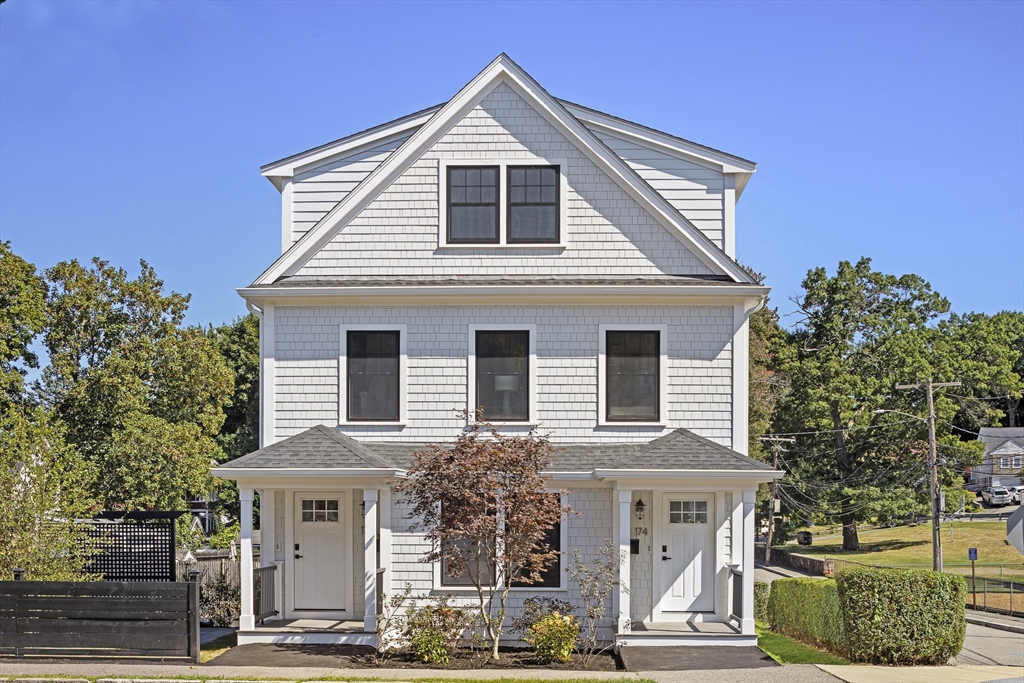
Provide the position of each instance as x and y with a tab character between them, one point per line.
985	645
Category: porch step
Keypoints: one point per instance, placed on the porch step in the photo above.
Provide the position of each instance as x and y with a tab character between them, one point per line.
687	633
309	632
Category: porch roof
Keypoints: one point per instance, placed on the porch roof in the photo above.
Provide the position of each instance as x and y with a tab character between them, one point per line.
323	447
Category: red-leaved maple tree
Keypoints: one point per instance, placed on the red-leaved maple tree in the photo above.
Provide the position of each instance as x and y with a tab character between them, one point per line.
485	506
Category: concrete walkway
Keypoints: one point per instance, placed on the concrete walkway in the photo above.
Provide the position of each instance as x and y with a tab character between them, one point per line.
927	674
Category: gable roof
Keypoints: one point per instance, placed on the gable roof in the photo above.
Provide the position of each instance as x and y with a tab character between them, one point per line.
502	69
996	438
316	447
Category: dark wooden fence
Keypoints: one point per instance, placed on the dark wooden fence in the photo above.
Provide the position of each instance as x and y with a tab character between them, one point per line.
100	619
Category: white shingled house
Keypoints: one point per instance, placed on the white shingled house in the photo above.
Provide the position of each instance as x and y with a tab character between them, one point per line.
557	266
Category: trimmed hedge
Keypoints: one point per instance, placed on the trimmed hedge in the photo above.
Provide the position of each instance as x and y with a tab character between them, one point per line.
808	610
902	616
761	592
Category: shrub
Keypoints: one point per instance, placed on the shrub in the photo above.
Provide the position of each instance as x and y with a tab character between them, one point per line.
219	601
808	610
761	592
553	637
902	616
434	630
536	608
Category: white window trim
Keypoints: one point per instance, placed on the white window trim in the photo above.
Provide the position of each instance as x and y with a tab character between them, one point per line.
1004	463
403	394
502	163
471	369
1017	462
562	582
602	377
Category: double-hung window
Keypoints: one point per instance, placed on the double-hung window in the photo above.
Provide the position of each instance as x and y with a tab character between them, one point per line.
502	375
533	204
473	204
507	203
372	365
632	382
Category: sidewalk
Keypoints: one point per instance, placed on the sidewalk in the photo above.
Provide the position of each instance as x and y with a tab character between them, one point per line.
797	673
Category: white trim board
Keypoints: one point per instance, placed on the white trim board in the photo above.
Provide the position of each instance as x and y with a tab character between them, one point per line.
403	371
531	328
502	70
602	375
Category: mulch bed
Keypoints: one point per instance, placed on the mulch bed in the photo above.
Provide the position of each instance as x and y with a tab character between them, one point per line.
361	657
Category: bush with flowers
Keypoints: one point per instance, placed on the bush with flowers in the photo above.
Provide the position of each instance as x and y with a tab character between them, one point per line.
553	637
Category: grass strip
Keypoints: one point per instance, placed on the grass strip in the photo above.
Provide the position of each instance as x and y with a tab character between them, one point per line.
785	650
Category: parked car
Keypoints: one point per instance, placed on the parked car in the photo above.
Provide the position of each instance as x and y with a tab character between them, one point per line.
1015	494
995	496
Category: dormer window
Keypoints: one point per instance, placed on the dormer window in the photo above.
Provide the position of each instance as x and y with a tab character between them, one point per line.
503	203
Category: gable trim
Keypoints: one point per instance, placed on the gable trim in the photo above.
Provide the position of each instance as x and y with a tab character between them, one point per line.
502	69
296	163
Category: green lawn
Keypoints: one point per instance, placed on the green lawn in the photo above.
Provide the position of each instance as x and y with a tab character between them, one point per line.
912	546
785	650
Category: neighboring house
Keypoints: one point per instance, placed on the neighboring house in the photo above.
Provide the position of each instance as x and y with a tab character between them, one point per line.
1004	457
556	265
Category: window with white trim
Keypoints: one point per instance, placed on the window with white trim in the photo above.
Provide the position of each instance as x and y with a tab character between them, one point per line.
688	512
317	510
502	390
632	381
502	203
1004	463
372	367
1017	462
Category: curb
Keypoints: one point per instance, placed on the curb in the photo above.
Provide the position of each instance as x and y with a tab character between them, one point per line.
1012	628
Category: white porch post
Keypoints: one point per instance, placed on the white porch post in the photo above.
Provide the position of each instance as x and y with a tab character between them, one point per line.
747	618
370	561
246	621
624	528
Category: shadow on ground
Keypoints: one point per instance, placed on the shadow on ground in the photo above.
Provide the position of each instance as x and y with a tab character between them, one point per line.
273	654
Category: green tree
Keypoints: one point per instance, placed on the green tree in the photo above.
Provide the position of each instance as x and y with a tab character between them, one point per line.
862	332
989	350
239	346
22	317
141	396
45	488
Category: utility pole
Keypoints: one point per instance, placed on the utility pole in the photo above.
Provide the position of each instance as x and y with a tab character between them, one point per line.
776	446
933	466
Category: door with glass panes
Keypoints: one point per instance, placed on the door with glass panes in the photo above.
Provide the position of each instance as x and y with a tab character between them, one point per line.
318	552
687	553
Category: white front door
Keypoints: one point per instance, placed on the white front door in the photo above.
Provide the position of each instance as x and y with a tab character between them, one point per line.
319	551
687	553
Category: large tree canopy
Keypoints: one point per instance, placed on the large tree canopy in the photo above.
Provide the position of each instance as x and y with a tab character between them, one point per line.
862	332
141	396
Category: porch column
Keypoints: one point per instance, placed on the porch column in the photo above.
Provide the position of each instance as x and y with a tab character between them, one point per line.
624	528
747	618
370	561
246	621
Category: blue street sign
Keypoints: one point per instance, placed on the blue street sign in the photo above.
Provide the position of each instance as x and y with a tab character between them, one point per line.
972	554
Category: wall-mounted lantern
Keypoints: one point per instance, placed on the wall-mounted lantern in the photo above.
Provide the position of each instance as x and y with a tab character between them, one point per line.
639	508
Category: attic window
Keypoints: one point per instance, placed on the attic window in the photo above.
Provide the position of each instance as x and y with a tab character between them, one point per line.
473	204
533	204
503	203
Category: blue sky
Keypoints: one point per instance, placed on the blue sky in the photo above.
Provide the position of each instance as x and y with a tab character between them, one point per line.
136	130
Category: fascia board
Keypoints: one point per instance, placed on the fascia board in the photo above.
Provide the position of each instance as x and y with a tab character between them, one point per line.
456	295
264	473
500	69
291	165
719	160
750	475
